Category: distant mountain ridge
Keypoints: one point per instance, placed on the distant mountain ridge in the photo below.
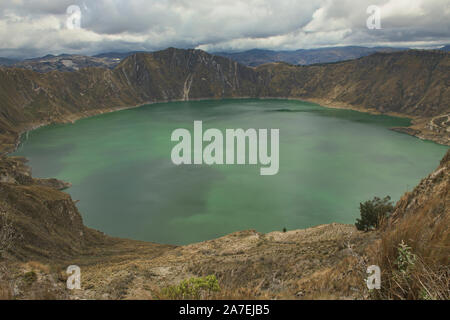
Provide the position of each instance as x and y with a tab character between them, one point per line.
7	61
256	57
118	55
412	83
66	62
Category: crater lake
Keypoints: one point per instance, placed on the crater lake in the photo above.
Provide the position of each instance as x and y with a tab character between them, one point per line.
330	160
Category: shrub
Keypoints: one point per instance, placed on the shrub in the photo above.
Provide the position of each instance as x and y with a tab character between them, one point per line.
29	278
420	268
193	288
405	259
373	212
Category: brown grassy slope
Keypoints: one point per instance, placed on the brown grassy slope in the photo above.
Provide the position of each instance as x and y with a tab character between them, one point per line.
29	99
247	264
421	220
46	221
42	232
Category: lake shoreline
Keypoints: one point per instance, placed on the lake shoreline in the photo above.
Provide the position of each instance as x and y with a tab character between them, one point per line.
416	129
162	113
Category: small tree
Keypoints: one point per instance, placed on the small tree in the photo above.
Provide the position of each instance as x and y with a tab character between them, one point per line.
372	213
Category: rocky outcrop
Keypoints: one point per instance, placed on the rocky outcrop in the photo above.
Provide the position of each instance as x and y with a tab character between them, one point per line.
13	170
46	221
47	224
431	196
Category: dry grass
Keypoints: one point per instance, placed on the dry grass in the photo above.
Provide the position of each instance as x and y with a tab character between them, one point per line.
427	235
223	294
37	266
413	251
240	294
5	291
343	281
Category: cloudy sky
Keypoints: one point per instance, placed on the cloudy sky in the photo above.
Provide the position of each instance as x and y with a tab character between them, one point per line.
30	28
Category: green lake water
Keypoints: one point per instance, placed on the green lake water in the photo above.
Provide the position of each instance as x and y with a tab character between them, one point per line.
330	160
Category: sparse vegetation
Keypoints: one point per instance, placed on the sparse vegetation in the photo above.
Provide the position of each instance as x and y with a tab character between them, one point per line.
373	212
405	259
8	234
413	252
5	291
193	288
29	278
412	277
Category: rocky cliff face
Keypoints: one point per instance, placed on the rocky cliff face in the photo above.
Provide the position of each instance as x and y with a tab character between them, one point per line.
432	195
45	223
410	82
175	74
413	83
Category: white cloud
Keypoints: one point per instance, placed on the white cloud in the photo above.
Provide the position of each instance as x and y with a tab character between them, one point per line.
37	27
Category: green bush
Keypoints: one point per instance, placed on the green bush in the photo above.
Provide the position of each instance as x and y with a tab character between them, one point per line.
406	259
373	212
192	289
29	278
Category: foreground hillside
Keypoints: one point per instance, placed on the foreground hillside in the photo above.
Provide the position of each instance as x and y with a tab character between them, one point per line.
327	261
414	245
409	83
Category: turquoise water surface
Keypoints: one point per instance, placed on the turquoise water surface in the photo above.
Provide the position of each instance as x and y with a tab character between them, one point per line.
330	160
